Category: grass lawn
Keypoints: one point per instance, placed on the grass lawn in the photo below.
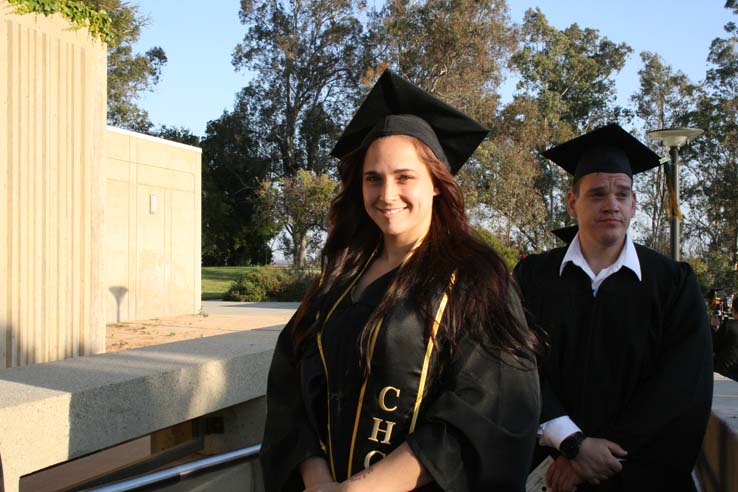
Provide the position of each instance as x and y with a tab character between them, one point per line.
216	280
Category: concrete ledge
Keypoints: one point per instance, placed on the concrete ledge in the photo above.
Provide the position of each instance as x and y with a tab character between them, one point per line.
717	469
54	412
51	413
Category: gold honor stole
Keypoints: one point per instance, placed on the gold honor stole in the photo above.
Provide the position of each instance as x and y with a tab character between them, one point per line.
390	397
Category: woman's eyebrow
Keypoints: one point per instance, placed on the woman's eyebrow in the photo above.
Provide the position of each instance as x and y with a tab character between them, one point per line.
395	171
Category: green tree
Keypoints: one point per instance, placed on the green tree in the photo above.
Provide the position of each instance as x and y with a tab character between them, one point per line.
506	179
177	134
233	168
298	205
566	87
715	223
457	49
307	58
509	255
570	72
129	74
665	99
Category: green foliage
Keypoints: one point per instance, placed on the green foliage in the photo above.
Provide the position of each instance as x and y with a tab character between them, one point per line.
714	271
571	72
232	170
307	57
664	100
665	96
80	15
299	205
271	283
566	87
177	134
458	50
268	278
454	48
130	74
245	290
712	224
509	255
296	286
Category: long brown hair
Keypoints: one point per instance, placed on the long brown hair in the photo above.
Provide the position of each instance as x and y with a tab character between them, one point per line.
479	300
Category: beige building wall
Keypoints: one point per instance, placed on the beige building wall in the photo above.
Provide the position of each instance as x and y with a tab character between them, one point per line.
152	227
52	123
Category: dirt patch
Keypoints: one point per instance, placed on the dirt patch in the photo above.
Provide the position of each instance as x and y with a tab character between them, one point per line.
136	334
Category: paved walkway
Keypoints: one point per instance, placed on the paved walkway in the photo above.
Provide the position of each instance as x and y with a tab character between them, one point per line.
250	308
217	318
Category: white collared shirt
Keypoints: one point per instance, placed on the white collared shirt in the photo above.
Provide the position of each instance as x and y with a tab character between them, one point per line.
554	431
628	258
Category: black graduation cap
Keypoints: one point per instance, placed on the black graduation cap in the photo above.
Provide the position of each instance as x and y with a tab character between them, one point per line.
395	106
566	234
608	149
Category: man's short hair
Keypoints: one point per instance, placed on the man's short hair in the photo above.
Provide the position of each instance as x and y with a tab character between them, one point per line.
575	187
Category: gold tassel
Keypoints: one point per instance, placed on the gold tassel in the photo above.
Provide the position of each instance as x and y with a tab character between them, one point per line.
673	206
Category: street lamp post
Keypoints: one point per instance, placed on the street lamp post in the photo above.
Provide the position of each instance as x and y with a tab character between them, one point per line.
673	138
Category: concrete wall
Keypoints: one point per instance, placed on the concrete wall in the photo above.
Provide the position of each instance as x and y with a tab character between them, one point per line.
86	404
52	121
152	256
717	465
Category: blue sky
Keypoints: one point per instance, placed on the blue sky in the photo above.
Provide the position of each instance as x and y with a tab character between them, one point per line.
199	83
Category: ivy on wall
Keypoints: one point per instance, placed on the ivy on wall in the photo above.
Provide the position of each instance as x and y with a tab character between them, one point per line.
97	21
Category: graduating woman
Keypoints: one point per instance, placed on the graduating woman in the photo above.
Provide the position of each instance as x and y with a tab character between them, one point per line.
409	365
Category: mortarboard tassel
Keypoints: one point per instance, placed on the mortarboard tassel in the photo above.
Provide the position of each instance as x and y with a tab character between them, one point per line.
673	206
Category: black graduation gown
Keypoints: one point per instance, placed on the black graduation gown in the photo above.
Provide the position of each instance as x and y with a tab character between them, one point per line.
476	424
632	365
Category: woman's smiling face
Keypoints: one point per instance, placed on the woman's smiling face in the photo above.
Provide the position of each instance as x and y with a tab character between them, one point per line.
397	188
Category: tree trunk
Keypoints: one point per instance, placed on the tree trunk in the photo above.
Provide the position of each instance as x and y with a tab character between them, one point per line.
735	249
299	247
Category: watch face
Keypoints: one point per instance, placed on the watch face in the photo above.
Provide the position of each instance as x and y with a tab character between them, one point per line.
568	449
570	446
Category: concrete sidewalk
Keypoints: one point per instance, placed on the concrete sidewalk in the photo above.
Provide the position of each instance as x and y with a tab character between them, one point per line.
257	309
217	318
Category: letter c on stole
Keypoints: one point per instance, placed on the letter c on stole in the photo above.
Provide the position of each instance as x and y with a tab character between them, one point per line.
370	455
383	397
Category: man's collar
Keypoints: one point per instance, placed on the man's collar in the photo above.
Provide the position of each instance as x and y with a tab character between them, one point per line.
628	257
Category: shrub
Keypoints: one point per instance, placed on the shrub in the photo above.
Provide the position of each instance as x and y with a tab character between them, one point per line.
294	289
509	255
244	290
269	278
270	283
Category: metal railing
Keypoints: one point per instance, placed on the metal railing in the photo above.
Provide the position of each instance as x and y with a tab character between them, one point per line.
179	472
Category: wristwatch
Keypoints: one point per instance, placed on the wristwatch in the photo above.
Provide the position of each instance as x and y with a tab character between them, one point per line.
569	447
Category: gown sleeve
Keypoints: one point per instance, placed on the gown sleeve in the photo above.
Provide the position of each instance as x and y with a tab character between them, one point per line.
665	419
478	433
289	437
551	407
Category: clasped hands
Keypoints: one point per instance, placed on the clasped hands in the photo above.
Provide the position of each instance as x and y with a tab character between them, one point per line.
597	460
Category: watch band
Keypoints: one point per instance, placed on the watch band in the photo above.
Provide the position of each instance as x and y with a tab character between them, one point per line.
569	447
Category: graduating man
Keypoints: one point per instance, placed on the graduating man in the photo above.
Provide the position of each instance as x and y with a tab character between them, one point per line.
627	385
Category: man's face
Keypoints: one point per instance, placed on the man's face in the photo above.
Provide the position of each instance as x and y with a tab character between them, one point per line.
603	207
